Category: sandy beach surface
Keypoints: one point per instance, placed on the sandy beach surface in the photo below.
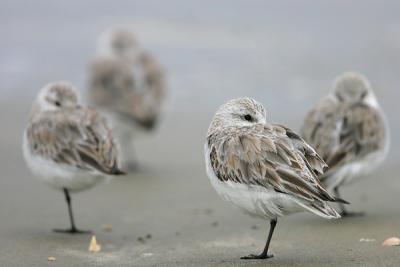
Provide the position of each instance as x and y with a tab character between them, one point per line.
167	214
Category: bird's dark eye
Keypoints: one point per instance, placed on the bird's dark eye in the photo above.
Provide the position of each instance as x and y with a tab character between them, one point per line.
248	117
57	103
364	94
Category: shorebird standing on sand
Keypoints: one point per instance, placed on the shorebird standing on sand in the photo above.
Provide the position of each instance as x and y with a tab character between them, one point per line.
349	130
67	146
127	84
263	168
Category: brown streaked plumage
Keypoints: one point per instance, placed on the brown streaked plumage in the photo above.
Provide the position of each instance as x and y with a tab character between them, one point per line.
114	89
269	156
129	87
67	146
265	169
76	137
348	129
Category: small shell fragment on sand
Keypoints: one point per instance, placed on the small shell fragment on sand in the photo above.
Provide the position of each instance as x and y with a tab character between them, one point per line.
392	241
51	259
94	247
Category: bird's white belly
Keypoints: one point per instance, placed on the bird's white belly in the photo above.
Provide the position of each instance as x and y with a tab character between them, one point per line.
354	171
59	176
255	200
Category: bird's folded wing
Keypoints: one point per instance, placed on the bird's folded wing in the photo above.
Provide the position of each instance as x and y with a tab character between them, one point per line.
321	126
79	138
361	132
114	87
111	83
272	157
154	75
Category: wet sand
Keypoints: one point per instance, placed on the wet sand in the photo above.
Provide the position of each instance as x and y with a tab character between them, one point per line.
167	214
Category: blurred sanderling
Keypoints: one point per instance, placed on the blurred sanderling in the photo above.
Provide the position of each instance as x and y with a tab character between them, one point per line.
127	84
265	169
349	130
67	146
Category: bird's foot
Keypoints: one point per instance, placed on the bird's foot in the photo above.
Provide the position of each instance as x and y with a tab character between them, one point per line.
71	231
349	214
257	257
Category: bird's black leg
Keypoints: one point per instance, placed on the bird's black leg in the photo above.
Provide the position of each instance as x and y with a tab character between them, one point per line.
264	254
343	212
73	229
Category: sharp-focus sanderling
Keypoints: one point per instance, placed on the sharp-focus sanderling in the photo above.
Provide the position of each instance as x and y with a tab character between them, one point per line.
127	84
67	146
349	130
265	169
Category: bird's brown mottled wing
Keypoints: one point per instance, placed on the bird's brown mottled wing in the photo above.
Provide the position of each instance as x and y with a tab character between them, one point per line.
270	156
321	126
113	86
154	75
361	132
79	138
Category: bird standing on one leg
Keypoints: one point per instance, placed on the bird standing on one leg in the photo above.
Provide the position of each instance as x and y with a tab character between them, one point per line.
265	169
127	84
67	146
349	130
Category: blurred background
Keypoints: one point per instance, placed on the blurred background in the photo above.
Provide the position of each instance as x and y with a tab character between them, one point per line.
285	54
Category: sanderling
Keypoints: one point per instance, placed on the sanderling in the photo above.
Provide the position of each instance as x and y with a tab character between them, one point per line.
67	146
349	130
263	168
127	84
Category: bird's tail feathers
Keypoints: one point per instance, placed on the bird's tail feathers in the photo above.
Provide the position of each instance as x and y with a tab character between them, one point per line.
321	209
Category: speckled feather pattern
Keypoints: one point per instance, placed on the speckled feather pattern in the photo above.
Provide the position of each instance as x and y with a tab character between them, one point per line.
68	146
132	88
265	155
346	131
77	137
